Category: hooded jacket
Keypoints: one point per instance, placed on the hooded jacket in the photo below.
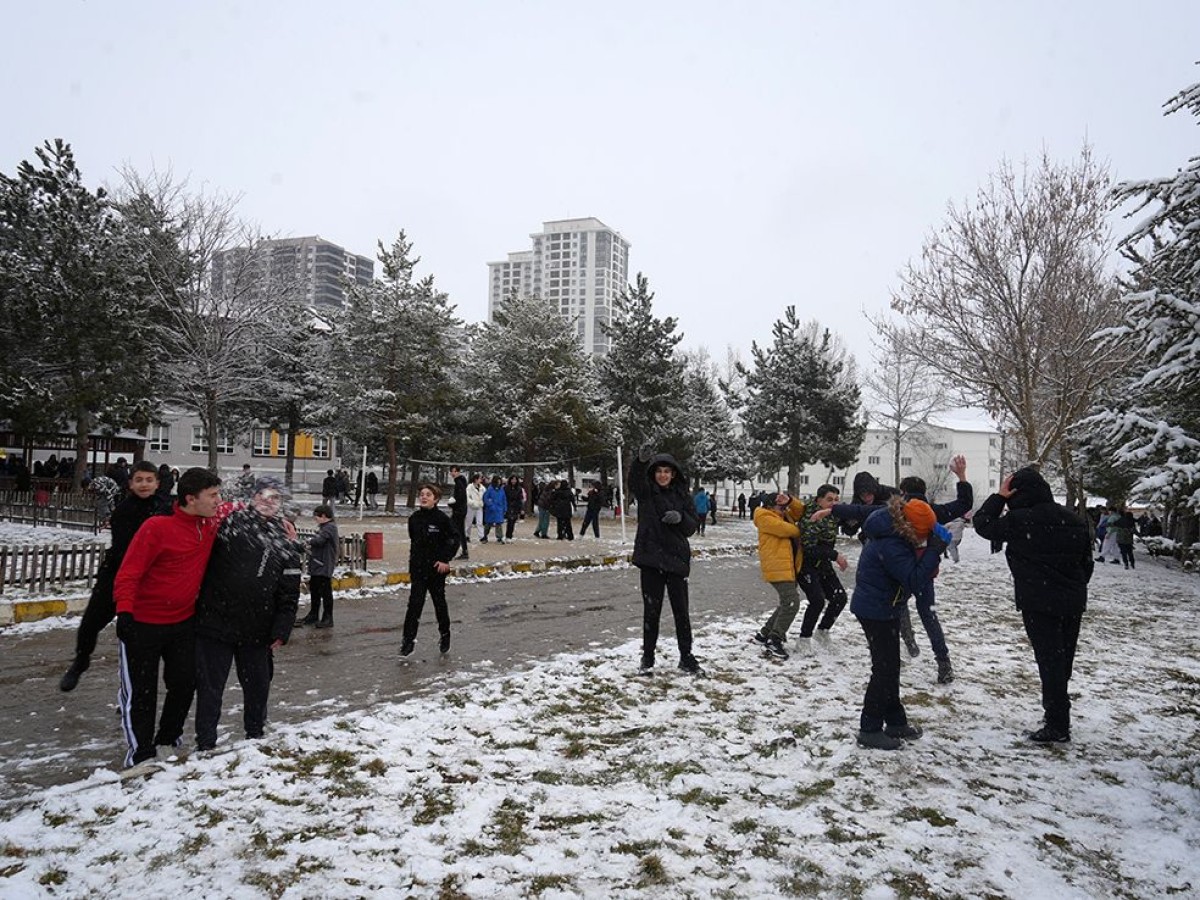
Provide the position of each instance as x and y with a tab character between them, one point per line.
495	504
864	483
779	552
889	567
657	544
323	550
1048	548
252	585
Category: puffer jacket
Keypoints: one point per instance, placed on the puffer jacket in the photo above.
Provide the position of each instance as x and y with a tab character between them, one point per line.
474	496
323	550
657	544
890	569
1048	548
495	505
780	555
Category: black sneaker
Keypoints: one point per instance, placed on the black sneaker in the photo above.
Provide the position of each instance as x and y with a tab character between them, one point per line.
407	648
878	740
914	649
444	644
945	671
647	666
71	677
325	623
760	638
907	732
775	649
1048	735
690	665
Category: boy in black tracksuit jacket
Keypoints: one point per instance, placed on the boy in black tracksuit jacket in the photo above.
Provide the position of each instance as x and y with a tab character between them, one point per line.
245	611
140	504
435	540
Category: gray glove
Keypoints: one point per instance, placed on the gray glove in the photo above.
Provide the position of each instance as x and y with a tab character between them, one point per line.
672	517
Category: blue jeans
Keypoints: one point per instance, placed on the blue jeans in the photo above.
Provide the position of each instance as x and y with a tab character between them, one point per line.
929	618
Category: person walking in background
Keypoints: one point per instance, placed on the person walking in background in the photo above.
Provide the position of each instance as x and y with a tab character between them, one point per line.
246	609
144	500
545	498
514	495
475	492
432	542
1049	552
741	505
329	489
372	484
245	483
591	516
562	505
700	501
956	527
712	507
166	483
666	519
1126	528
779	558
1108	547
322	560
458	509
495	508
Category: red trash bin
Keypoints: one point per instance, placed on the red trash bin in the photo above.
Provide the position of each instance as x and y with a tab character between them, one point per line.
374	545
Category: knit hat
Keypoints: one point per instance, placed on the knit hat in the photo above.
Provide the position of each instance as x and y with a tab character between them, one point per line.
920	515
269	483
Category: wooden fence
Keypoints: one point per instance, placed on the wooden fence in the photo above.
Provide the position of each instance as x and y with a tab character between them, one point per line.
49	566
37	568
352	549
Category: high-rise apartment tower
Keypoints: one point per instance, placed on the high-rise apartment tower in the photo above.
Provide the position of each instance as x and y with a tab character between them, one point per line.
316	268
579	265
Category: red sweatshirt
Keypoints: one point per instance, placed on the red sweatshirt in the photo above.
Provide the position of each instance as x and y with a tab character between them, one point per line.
160	576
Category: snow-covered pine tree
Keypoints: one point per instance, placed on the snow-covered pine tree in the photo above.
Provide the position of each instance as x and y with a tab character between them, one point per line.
391	362
641	377
1153	419
530	379
802	402
72	346
719	451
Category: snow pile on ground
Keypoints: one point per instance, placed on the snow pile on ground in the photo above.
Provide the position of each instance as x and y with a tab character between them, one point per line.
576	778
13	534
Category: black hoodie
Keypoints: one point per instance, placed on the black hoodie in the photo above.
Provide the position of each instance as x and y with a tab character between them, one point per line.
1049	548
659	545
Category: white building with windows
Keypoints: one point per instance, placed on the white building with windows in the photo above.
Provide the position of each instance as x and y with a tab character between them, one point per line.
579	265
180	442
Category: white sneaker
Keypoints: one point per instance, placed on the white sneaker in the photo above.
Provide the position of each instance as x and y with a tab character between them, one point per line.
145	767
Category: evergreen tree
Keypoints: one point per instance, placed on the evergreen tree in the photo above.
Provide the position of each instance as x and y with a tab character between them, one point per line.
532	383
641	378
390	365
801	404
1152	421
71	344
718	450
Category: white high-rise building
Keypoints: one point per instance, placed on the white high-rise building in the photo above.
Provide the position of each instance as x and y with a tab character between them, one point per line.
579	265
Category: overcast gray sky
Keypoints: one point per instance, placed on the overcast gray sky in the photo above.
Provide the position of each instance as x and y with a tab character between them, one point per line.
755	154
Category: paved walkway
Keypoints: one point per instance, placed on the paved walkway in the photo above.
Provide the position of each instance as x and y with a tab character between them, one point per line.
523	553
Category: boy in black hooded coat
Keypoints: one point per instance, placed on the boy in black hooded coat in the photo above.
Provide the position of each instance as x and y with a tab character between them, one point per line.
666	519
1049	554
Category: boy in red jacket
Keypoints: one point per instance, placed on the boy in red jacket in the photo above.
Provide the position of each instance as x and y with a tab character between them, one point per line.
156	589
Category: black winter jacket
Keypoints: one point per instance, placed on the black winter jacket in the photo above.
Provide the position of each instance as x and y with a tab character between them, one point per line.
252	584
864	483
658	545
126	519
948	512
433	539
1049	548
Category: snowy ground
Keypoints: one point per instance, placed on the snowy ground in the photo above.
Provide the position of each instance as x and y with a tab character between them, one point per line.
13	534
574	779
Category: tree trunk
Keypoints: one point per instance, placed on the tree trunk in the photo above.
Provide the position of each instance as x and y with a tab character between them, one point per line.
209	421
896	458
289	462
414	477
83	425
389	504
529	498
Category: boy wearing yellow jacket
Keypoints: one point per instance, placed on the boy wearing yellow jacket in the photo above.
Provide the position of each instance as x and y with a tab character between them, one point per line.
780	556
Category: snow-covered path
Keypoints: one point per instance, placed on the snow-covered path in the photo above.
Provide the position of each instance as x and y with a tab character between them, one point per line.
574	779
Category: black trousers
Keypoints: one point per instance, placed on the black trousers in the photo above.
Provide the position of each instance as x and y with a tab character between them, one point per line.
433	584
821	587
320	592
881	703
459	520
593	519
143	647
101	609
1127	555
563	524
1054	639
654	583
213	659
